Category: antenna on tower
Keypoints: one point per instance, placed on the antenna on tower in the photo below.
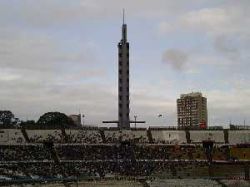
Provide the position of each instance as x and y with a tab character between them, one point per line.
123	16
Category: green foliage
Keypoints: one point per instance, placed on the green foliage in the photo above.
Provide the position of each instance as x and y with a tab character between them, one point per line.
28	124
55	119
6	117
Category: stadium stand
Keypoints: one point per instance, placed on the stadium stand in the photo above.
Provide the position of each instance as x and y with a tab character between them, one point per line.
83	136
15	136
126	135
24	152
39	136
85	152
91	152
185	182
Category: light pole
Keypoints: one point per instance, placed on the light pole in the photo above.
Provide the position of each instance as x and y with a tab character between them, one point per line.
83	119
135	120
159	116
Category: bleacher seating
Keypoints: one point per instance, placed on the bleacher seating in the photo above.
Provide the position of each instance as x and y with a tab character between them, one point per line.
185	182
39	136
15	136
110	152
83	136
85	152
139	136
24	152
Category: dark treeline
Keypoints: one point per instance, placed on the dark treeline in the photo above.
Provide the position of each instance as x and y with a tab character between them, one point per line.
47	120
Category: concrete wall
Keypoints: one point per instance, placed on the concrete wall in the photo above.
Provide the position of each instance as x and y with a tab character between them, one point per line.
112	135
41	135
239	136
169	136
199	136
11	136
15	136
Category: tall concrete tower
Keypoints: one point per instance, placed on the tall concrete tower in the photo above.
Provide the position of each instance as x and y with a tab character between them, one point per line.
123	83
123	79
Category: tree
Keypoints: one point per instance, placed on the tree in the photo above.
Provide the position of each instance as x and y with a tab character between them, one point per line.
55	119
28	124
6	117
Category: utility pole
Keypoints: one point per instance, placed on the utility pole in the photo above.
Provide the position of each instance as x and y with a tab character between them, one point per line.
83	119
135	120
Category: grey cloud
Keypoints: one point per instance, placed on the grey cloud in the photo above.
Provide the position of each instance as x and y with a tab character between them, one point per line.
235	48
227	19
43	13
91	98
175	58
224	28
38	53
39	75
227	46
223	106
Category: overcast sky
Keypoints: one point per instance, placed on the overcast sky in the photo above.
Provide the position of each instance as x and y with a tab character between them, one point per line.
61	55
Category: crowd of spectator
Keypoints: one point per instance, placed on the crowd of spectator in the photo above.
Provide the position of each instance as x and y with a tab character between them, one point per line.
108	168
24	152
118	151
120	136
83	136
84	154
174	141
57	138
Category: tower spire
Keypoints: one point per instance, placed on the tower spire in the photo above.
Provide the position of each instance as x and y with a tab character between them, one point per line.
123	16
124	27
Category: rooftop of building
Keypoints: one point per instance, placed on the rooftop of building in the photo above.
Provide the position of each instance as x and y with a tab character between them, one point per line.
192	94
